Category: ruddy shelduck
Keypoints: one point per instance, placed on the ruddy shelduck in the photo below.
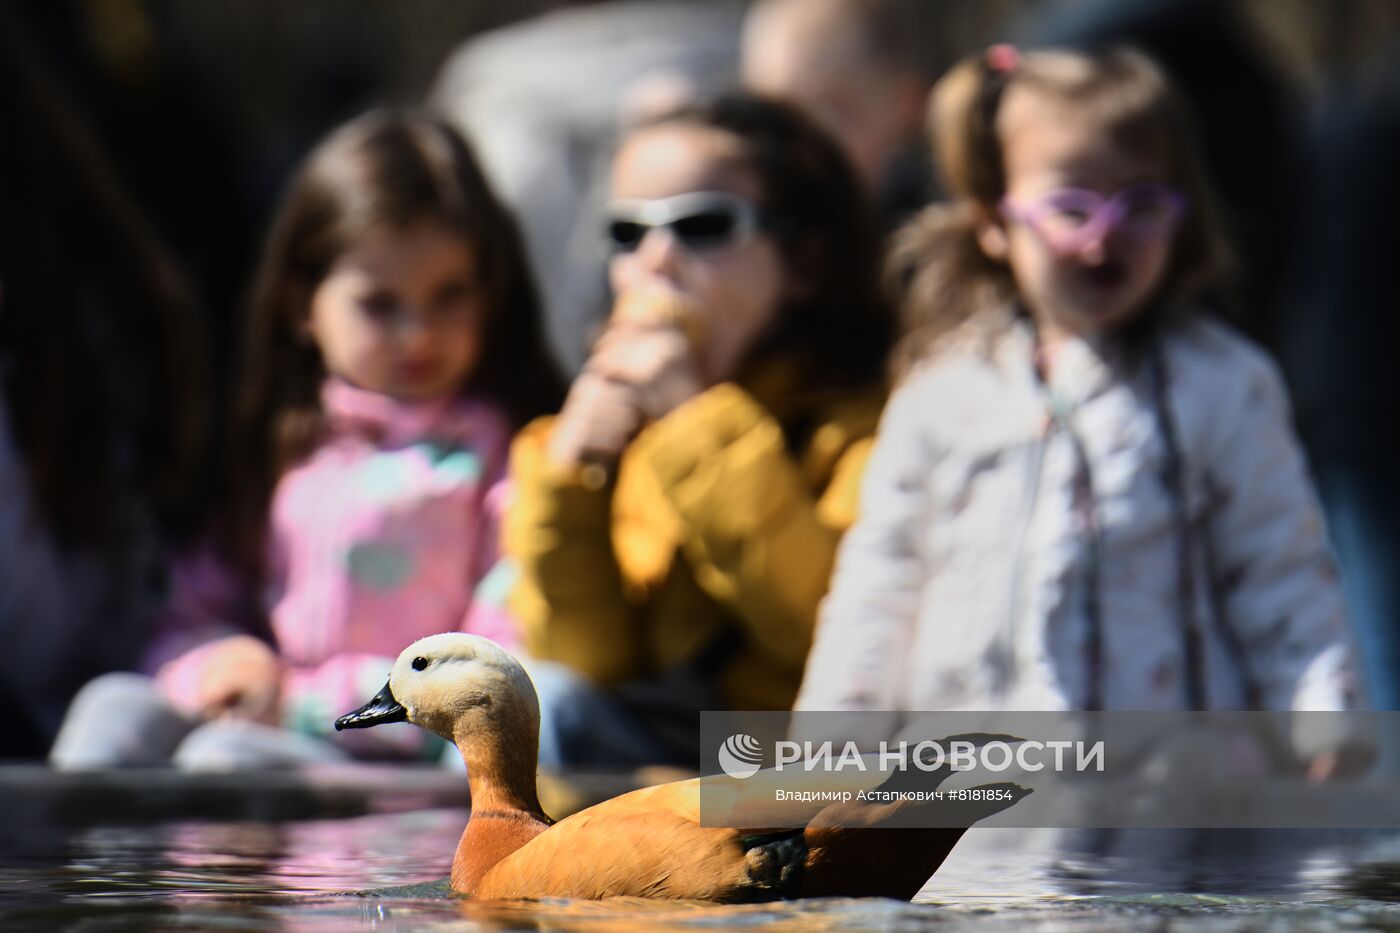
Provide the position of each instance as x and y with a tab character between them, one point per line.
646	843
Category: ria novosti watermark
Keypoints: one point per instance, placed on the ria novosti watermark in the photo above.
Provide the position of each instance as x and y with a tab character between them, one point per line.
1086	770
740	755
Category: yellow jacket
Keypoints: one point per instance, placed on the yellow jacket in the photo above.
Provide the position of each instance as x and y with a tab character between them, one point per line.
712	524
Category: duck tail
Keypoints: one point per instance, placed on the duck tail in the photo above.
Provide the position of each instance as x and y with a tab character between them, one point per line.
873	862
890	849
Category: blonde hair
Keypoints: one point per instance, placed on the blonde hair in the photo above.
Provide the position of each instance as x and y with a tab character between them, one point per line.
936	265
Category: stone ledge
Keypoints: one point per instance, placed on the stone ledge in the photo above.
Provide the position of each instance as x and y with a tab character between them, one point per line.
33	793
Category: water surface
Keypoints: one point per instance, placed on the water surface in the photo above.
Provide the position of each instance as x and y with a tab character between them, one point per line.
386	871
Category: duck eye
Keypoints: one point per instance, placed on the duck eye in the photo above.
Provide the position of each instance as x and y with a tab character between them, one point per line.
420	663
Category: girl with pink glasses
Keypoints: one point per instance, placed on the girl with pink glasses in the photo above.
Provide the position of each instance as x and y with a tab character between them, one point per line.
1086	493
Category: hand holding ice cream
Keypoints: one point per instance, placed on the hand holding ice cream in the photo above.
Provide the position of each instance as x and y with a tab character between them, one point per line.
643	367
653	343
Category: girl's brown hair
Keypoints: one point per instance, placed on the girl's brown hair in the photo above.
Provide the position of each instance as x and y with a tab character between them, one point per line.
936	264
381	172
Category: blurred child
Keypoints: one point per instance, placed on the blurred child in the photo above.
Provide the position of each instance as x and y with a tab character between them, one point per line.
675	526
393	346
1086	493
860	69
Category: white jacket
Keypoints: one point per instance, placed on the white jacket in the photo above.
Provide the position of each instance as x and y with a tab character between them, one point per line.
963	585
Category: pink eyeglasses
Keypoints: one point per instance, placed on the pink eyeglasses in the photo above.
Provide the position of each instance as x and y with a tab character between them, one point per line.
1068	219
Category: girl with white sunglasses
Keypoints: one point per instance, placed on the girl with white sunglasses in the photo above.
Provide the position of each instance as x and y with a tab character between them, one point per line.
674	527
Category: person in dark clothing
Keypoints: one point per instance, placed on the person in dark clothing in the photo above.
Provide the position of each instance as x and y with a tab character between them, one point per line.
1339	347
98	427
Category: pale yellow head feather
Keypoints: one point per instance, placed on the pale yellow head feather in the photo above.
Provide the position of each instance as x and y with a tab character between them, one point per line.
466	684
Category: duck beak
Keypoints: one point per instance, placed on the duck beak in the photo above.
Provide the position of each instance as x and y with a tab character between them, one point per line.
382	708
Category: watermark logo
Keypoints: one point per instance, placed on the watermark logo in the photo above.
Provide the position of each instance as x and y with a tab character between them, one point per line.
741	755
1062	769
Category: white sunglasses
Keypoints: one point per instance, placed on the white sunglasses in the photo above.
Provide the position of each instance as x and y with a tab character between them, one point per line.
700	220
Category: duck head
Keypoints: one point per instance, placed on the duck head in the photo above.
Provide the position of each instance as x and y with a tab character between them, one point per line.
457	686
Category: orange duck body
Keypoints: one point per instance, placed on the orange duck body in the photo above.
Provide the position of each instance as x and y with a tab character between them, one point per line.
648	843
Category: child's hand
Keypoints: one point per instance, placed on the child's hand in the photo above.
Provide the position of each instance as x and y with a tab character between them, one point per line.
238	677
642	367
600	417
657	360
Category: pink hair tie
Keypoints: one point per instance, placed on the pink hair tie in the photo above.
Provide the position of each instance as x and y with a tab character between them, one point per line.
1003	57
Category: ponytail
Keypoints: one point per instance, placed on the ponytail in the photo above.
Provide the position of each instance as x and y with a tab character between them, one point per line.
962	123
935	265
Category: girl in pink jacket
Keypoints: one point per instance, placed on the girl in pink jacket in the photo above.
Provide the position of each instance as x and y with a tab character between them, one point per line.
394	345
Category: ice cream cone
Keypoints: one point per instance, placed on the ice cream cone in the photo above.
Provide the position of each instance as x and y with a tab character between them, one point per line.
659	308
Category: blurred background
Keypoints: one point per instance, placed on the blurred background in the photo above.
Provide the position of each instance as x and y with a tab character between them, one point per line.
202	108
170	126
